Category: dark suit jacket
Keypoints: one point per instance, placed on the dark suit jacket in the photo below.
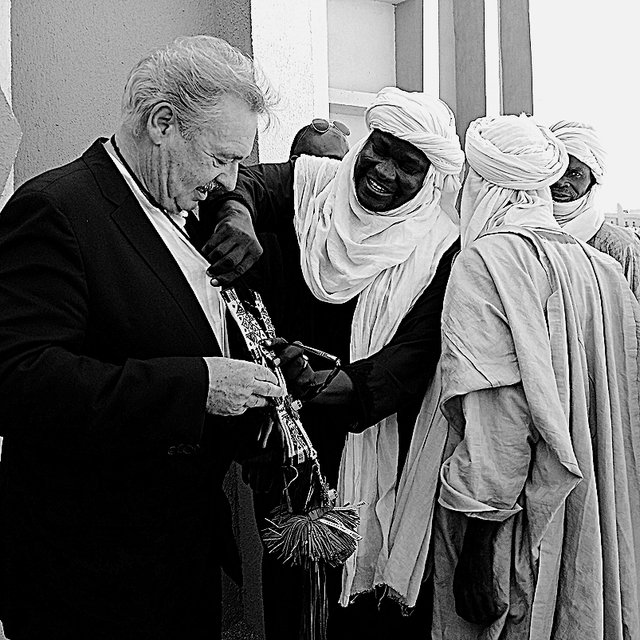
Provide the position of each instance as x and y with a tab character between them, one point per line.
101	372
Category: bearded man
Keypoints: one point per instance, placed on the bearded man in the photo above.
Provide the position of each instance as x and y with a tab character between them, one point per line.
575	200
538	535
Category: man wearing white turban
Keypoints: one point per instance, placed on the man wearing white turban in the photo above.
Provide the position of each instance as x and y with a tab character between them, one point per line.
538	531
575	200
367	244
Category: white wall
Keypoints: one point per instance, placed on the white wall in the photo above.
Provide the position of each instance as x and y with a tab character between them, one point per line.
293	55
70	62
585	57
361	45
361	35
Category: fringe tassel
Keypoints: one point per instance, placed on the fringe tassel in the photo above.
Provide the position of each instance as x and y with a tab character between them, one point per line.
308	531
315	613
325	534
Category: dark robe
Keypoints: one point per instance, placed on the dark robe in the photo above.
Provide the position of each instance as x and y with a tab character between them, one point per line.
393	380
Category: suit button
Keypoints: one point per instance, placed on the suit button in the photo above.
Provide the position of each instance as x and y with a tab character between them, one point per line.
187	449
183	449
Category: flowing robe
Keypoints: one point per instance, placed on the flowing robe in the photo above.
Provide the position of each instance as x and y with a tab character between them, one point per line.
541	390
623	245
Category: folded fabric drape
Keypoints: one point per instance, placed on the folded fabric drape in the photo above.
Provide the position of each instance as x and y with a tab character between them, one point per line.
513	161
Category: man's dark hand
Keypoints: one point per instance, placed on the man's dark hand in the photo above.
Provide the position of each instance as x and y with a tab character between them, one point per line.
233	247
294	365
479	595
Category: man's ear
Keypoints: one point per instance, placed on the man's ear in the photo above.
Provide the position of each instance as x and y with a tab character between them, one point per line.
162	122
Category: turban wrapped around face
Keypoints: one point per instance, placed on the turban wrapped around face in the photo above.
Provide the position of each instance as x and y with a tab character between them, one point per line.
583	217
581	141
424	121
512	161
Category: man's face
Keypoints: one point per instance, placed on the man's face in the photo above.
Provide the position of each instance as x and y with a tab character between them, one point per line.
388	172
181	172
575	182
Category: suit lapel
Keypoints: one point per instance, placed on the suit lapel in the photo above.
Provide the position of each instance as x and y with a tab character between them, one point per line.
142	236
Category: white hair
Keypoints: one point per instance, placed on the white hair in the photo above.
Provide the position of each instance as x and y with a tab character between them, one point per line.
193	74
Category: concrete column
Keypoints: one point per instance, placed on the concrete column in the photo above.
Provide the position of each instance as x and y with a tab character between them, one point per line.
71	59
293	54
516	75
233	23
409	45
462	59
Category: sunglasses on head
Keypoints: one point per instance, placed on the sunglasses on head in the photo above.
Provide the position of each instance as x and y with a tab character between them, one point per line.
322	126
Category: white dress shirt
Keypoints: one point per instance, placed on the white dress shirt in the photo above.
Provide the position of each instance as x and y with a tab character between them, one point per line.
192	264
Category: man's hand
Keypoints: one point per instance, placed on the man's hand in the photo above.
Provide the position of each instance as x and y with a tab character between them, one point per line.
480	597
294	365
236	385
233	247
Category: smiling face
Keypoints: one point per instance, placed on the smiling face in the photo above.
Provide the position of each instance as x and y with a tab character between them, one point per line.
180	172
388	172
575	182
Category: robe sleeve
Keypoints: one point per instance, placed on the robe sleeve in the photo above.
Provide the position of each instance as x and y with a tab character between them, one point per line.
488	469
267	191
396	377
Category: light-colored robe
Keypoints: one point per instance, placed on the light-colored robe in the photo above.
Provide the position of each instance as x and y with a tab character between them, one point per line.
541	389
623	245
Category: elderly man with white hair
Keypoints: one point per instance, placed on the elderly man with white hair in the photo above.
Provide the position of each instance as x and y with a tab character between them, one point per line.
121	390
575	200
538	530
367	245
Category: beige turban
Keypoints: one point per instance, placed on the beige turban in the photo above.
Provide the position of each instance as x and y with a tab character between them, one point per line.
583	217
513	161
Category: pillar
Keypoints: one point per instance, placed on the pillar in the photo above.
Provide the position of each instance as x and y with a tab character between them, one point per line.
516	75
462	59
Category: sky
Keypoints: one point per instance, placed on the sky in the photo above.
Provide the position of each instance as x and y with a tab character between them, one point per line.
586	59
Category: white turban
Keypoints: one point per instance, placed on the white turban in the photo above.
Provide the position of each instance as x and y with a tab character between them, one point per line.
387	259
583	217
513	161
424	121
582	142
